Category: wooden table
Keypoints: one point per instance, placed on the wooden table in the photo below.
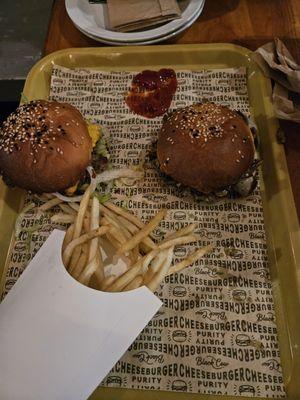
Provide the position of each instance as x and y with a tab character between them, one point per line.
249	23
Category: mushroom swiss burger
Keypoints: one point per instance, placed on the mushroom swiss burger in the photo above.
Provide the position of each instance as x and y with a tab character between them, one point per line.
209	148
45	146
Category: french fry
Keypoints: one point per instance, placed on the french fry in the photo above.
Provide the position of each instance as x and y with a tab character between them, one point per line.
107	212
81	252
127	215
159	276
128	225
99	272
118	225
118	235
177	241
111	221
115	231
50	204
124	279
81	213
67	209
118	240
144	248
111	217
112	240
63	219
147	243
49	196
74	260
81	263
134	284
136	239
130	221
146	260
181	232
85	248
86	224
74	206
80	240
68	236
94	224
135	254
107	282
190	259
155	266
43	197
89	270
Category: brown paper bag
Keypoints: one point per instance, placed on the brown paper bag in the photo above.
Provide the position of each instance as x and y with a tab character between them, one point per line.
278	64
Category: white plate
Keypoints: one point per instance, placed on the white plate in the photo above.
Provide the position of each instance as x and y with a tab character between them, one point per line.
92	19
145	42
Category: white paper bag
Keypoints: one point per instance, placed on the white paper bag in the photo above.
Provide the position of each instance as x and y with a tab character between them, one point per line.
58	338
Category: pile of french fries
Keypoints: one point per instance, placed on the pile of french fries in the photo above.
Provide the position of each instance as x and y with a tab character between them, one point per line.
147	262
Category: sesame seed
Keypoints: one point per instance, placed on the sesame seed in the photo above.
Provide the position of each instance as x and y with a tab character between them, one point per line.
27	124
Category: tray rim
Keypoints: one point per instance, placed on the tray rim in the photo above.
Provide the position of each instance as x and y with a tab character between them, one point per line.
49	58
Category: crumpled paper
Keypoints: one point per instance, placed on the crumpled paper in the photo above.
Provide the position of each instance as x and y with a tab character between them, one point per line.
129	15
278	64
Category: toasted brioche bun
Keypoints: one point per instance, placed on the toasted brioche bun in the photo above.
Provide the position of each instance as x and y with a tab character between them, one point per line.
44	146
206	146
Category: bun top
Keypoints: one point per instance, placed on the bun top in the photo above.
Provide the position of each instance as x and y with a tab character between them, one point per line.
44	146
206	146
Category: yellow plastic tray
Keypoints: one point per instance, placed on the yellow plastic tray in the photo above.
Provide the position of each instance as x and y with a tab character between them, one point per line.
280	215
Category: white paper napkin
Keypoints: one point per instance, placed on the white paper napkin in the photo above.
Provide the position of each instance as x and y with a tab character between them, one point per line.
58	338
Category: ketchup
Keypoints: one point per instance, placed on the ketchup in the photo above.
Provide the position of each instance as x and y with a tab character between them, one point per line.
151	92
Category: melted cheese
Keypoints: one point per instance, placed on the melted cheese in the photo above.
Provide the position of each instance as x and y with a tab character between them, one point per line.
95	134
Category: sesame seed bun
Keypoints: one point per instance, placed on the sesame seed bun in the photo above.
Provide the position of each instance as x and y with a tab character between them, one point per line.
44	146
206	146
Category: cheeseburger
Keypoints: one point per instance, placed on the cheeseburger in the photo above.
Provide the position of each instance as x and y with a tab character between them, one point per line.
46	146
209	148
